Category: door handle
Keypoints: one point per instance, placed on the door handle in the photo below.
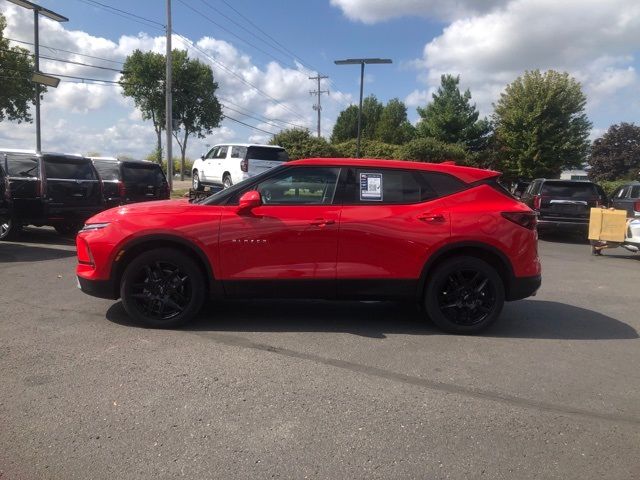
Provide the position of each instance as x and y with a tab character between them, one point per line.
321	222
431	217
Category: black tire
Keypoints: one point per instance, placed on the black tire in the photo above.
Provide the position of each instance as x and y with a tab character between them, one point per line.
226	181
68	229
8	229
162	288
195	182
464	295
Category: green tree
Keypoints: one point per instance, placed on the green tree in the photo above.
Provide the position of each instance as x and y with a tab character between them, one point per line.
616	154
195	106
368	149
346	126
143	79
393	126
299	143
17	91
451	118
541	126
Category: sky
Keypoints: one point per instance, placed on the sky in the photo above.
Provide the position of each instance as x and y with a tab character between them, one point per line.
263	52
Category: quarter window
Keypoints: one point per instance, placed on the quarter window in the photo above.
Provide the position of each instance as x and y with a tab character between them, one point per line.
238	152
635	191
301	186
22	166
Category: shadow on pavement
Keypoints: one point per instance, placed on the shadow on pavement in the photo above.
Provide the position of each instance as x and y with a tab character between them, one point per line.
523	319
564	237
43	235
15	252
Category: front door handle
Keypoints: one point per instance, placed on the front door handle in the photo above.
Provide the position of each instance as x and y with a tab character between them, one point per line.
431	217
321	222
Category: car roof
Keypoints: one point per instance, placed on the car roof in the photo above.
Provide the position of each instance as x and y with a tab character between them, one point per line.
125	160
245	145
43	154
466	174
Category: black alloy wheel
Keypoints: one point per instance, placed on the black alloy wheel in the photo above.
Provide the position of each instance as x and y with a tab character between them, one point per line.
7	228
464	295
162	288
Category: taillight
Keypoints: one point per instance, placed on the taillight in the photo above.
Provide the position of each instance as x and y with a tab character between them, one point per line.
244	165
636	206
537	201
524	219
122	189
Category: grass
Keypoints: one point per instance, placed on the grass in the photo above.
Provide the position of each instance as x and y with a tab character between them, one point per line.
179	192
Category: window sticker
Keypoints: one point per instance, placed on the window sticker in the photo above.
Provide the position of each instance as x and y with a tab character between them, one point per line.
371	186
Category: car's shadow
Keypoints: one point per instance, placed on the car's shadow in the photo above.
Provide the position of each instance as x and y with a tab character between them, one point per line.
523	319
564	237
44	236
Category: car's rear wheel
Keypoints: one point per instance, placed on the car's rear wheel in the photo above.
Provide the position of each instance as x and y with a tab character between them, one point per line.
464	295
195	182
162	288
226	181
8	229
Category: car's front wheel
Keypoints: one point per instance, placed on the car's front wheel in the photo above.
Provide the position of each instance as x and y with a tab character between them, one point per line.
195	182
464	295
162	288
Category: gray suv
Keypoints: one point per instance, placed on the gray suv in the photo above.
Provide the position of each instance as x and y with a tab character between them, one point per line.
627	197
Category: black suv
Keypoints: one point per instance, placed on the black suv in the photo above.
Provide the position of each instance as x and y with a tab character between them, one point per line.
129	181
48	189
627	197
563	204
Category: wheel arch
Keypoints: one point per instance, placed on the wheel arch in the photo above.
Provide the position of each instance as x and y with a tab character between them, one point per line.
483	251
134	247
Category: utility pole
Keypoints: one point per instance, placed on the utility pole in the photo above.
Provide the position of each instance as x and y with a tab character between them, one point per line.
169	101
318	92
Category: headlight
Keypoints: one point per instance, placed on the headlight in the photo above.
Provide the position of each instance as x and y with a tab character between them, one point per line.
91	227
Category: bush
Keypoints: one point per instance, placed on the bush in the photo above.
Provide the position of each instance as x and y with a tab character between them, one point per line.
432	150
368	149
609	186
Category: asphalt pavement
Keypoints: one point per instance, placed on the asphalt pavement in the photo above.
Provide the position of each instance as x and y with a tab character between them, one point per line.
275	389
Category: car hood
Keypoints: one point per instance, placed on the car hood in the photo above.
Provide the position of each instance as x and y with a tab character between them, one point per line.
161	207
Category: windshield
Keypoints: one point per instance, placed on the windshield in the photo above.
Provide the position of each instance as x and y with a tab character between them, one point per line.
569	189
69	168
267	153
227	192
147	174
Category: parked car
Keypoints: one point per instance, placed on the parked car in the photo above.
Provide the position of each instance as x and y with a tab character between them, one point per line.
226	165
50	189
563	205
130	181
627	197
5	205
448	237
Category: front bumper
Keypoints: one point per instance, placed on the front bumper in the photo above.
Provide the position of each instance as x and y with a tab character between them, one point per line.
523	287
98	288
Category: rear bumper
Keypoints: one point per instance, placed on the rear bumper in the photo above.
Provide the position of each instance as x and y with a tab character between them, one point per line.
98	288
523	287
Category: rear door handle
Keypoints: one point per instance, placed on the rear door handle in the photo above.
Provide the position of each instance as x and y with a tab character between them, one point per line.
321	222
431	217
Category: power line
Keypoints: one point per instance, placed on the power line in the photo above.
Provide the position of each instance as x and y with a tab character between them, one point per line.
263	118
199	13
61	60
124	14
247	125
55	49
190	44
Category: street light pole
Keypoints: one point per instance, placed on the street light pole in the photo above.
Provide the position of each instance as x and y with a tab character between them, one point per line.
38	77
361	62
169	101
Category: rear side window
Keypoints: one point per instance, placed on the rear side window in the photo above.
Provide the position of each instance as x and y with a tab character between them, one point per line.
569	189
22	166
107	170
69	169
635	191
389	186
266	153
238	152
146	174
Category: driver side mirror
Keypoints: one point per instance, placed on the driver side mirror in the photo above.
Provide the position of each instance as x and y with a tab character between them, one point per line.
249	200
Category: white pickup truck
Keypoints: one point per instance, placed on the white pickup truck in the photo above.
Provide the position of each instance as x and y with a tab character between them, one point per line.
225	165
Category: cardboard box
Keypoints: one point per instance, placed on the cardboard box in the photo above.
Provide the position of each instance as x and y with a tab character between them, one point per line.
607	225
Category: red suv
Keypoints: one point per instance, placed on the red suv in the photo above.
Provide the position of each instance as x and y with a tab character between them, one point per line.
446	236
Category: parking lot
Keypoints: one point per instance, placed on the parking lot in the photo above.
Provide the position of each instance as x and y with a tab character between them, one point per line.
276	389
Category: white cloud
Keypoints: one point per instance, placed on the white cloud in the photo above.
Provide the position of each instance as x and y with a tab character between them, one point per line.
373	11
100	118
594	41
